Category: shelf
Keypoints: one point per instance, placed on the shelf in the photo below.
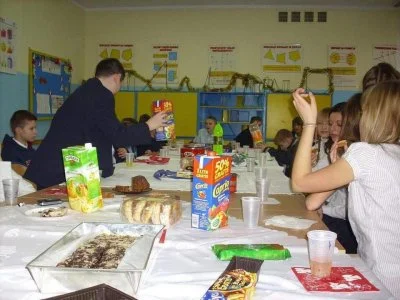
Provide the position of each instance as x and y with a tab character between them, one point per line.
232	107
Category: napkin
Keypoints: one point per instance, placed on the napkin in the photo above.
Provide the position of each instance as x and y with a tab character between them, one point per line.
289	222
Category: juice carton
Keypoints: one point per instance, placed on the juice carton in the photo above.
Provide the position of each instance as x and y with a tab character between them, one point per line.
210	193
83	178
166	132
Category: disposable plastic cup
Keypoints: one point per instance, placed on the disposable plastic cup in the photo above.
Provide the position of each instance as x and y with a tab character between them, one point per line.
260	172
262	188
251	211
321	244
246	149
263	159
257	153
250	162
10	188
164	152
129	158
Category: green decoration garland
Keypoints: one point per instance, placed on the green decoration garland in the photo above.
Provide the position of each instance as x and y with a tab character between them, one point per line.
328	71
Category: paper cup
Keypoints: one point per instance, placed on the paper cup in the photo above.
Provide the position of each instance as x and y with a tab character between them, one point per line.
251	211
10	188
321	244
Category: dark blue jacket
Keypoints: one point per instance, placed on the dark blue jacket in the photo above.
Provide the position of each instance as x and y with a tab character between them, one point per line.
87	116
14	152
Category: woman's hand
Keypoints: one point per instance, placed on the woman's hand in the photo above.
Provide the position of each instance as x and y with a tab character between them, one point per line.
121	152
307	110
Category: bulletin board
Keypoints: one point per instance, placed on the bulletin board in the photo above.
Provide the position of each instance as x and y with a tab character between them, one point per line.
49	83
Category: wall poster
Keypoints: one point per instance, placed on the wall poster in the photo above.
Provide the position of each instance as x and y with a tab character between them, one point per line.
342	60
8	35
165	63
386	53
222	62
286	58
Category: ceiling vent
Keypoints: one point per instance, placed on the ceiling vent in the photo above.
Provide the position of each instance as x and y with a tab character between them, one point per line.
322	17
309	16
283	16
295	16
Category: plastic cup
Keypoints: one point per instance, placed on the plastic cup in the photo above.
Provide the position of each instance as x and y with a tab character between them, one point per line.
257	153
246	149
250	163
10	188
129	158
321	244
263	159
251	211
260	172
164	152
262	188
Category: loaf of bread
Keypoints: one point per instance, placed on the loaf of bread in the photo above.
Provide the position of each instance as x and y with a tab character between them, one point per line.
139	184
147	210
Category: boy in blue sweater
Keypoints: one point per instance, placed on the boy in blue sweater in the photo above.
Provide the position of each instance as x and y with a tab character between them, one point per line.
18	149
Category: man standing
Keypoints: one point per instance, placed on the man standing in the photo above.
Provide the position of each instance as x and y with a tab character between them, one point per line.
88	116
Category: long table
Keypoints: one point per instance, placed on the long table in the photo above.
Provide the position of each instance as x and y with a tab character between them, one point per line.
184	266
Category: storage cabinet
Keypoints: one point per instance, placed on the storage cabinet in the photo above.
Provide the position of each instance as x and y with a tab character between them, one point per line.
232	110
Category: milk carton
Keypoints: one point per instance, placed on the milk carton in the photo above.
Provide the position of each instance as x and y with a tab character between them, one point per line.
210	192
83	178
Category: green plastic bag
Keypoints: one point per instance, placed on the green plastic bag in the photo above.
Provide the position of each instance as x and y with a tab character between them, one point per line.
257	251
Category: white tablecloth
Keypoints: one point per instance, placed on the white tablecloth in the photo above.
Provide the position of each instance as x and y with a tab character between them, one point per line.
181	268
280	184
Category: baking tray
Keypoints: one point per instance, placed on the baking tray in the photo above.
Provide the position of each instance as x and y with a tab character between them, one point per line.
98	292
52	279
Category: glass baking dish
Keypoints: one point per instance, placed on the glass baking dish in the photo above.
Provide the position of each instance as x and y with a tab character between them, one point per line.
52	279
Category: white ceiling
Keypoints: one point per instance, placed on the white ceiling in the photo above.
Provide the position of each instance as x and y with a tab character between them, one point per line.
173	4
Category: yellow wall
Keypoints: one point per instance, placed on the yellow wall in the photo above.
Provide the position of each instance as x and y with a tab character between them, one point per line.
195	29
53	27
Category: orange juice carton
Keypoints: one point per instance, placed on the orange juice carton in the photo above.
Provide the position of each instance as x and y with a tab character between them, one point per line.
83	178
256	134
167	132
210	191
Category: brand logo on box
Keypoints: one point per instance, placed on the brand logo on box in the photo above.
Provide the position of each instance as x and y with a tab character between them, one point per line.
201	185
221	168
220	188
72	158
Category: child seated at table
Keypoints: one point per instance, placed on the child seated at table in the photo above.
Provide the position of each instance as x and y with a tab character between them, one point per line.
371	168
120	152
205	135
283	154
319	157
154	146
18	149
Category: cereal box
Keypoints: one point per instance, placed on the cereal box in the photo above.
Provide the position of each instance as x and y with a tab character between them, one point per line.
83	178
166	132
210	192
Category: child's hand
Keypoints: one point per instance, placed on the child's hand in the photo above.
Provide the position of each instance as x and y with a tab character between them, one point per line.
307	110
148	152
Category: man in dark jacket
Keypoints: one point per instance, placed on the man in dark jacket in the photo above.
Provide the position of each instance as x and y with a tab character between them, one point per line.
88	116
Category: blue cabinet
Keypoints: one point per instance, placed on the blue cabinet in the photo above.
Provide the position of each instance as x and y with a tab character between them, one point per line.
232	110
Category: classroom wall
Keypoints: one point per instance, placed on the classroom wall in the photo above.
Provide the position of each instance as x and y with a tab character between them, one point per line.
53	27
246	28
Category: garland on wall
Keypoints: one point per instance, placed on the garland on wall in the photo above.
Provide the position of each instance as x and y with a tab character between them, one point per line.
247	81
327	71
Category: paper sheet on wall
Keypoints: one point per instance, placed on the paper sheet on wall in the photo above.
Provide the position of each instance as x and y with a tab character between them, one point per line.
122	52
56	102
43	103
50	66
343	62
222	61
5	173
386	53
8	34
282	58
165	63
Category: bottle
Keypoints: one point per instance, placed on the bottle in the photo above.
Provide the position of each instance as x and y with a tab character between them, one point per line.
218	133
256	134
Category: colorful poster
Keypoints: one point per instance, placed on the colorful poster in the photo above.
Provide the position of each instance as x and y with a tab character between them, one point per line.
165	63
343	62
122	52
222	61
386	53
286	58
8	34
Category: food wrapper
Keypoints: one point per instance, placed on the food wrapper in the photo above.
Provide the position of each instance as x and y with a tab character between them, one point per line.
151	210
257	251
238	281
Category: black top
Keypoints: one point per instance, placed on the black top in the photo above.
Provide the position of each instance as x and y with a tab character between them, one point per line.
245	138
87	116
14	152
154	146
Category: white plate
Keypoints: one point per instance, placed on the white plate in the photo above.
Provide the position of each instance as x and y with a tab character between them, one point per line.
36	213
